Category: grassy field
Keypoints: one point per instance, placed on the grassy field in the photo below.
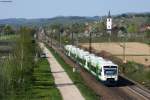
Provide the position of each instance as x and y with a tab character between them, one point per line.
136	52
8	37
43	87
76	78
138	73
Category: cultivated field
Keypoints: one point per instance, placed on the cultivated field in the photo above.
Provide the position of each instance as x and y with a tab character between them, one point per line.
137	52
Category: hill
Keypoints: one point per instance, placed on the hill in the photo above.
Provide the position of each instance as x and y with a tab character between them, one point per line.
47	21
140	17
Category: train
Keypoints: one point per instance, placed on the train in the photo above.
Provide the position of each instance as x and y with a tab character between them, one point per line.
104	70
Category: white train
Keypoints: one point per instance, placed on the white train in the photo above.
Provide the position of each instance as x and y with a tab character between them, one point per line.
101	68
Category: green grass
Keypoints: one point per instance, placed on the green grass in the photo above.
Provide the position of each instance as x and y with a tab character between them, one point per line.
8	37
138	73
76	78
43	86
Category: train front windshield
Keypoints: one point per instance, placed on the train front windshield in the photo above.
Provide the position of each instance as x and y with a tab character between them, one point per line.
110	70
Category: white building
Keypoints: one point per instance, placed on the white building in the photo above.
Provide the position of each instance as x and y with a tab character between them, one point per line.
109	22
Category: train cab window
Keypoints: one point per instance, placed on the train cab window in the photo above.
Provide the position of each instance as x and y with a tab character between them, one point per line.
110	70
113	66
110	66
106	66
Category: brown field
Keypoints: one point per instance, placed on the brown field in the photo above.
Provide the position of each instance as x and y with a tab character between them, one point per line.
137	52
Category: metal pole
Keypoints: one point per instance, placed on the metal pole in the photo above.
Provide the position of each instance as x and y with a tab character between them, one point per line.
90	43
51	39
77	40
59	40
124	49
72	38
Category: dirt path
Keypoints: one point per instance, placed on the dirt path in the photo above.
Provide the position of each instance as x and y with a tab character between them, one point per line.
67	88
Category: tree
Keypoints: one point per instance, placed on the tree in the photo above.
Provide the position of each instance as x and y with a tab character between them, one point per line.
58	28
100	27
8	30
75	30
148	20
23	57
132	28
148	34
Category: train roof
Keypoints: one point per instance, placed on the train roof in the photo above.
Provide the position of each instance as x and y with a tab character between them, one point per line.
107	63
101	61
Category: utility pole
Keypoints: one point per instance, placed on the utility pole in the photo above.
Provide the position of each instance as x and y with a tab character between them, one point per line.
51	39
60	36
124	49
53	32
91	31
77	40
90	42
90	37
124	44
59	40
72	34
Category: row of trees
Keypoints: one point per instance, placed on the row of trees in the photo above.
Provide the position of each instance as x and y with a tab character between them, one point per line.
16	70
6	30
99	28
58	29
78	27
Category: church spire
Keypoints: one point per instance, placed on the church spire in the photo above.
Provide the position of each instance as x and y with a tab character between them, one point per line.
109	15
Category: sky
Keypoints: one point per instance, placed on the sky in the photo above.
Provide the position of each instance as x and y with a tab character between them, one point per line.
53	8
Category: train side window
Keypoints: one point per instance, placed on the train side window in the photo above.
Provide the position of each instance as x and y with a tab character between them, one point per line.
93	68
100	71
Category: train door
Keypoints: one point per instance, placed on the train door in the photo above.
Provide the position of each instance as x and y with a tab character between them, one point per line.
97	72
85	64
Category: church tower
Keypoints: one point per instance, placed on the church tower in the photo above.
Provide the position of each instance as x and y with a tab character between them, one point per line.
109	23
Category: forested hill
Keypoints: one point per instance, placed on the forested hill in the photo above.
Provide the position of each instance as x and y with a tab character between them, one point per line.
72	19
47	21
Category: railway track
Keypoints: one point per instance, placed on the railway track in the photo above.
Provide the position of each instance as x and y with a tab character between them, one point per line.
124	90
139	91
